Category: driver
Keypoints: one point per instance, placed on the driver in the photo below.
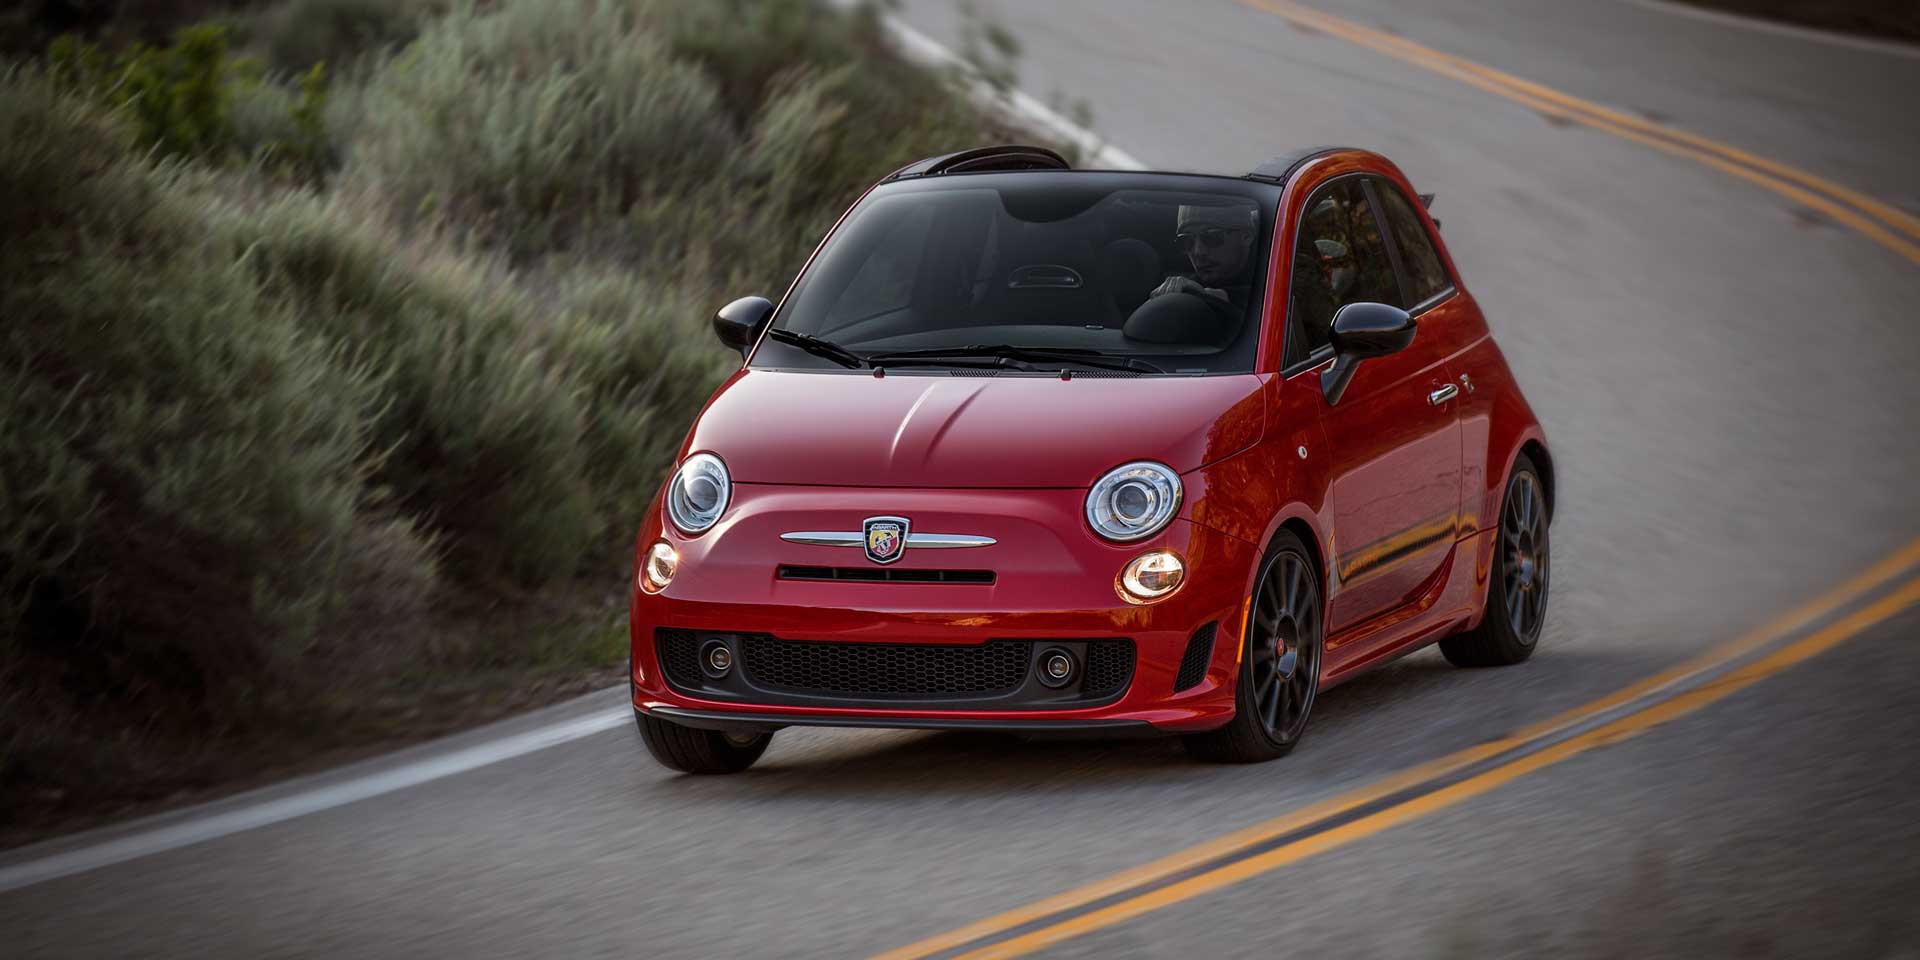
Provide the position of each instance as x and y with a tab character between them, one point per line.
1218	241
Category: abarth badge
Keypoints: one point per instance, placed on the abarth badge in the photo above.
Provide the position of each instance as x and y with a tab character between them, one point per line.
886	538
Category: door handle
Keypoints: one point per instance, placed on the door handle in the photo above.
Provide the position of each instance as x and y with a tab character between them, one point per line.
1442	395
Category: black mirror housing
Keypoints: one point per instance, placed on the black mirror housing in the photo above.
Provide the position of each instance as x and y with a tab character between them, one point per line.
1366	330
1362	331
739	323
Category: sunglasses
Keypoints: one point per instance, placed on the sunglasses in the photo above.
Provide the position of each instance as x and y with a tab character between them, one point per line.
1213	238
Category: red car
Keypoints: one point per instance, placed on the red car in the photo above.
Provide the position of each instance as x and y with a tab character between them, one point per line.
1042	450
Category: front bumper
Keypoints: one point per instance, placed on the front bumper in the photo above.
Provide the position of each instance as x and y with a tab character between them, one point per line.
1053	583
724	720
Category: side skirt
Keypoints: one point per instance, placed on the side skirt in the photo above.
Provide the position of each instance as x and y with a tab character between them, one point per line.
1450	602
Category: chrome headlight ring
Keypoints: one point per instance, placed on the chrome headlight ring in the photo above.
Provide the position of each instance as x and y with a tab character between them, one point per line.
698	493
1134	501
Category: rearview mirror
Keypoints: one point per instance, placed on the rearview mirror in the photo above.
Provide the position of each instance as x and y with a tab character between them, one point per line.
1362	331
739	323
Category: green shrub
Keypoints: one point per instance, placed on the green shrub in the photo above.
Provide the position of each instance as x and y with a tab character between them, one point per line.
193	100
302	34
185	465
644	362
178	96
532	122
284	129
483	439
251	421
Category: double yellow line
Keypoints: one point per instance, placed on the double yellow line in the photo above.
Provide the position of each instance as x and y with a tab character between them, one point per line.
1422	790
1802	633
1888	226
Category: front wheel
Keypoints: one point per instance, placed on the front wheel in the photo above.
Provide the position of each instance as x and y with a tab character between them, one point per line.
1517	595
1280	671
691	750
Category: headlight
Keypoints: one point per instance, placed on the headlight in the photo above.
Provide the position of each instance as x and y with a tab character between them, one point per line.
1134	501
698	493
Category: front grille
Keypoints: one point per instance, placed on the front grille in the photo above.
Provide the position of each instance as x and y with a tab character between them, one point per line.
884	575
886	669
995	675
1109	668
1193	665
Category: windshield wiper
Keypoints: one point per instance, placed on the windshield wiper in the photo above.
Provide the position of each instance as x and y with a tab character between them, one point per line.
1087	358
945	359
818	347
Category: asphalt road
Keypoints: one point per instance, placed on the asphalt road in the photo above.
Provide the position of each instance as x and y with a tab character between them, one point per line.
1728	379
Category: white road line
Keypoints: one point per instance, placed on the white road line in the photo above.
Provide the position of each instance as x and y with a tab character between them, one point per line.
1795	31
213	826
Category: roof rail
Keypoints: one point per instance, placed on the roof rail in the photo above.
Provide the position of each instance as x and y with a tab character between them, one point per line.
984	159
1281	167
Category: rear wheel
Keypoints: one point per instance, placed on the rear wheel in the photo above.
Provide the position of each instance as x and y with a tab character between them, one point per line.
1517	595
1280	668
692	750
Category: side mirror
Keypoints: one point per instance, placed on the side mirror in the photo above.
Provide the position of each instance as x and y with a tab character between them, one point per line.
1362	331
739	323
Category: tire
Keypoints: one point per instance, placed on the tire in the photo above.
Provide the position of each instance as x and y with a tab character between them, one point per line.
691	750
1280	667
1517	594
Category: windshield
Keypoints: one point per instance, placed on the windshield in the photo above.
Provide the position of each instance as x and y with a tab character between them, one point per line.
1162	273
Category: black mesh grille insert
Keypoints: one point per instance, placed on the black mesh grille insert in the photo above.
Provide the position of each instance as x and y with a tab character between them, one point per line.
679	652
1193	664
885	574
886	669
1109	668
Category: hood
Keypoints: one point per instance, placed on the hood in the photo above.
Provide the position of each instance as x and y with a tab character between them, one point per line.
913	430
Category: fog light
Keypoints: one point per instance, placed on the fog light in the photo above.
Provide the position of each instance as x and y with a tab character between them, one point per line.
1151	575
1056	667
717	657
662	563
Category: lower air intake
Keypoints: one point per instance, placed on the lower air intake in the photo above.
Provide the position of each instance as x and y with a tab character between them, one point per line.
994	675
1193	664
1109	668
886	669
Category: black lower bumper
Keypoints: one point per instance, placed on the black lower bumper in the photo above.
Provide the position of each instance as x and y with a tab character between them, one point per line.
723	720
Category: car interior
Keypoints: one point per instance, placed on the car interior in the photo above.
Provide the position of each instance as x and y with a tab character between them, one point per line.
977	265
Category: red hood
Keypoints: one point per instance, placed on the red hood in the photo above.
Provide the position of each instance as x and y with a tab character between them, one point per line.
909	430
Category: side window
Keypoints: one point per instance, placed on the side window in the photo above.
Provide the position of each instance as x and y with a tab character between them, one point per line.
1340	259
1425	275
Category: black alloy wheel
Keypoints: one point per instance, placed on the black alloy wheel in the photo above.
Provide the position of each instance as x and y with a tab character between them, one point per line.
1517	594
1280	673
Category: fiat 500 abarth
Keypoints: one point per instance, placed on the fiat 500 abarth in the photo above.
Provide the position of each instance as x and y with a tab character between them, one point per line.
1044	450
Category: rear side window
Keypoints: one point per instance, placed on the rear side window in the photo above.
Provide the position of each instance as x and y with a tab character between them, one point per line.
1340	258
1426	278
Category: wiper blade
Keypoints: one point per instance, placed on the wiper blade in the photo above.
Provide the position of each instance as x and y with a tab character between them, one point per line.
818	347
969	362
1084	357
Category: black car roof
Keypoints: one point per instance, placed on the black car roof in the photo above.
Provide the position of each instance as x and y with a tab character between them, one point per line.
1009	157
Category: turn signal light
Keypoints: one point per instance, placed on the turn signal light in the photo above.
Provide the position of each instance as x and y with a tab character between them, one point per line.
1151	575
662	563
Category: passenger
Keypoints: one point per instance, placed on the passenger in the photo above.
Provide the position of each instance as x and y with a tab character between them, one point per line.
1218	241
